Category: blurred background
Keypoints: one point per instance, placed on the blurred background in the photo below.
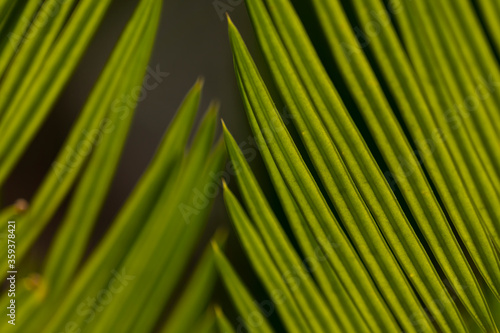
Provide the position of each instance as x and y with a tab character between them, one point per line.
192	41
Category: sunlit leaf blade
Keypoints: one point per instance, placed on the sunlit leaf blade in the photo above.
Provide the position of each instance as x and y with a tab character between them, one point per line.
33	48
476	181
24	115
222	323
94	120
398	154
166	241
274	238
189	309
90	195
254	198
303	187
366	174
207	324
162	172
291	310
491	12
14	22
240	295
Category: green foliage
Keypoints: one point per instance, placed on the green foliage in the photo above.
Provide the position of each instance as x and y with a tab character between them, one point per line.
398	234
196	297
222	323
151	239
374	274
42	65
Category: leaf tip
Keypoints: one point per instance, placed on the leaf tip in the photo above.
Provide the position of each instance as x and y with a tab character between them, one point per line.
220	236
233	31
225	131
218	310
213	110
200	81
215	247
228	18
214	106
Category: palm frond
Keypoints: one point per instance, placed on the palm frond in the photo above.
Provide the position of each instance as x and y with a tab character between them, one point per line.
223	324
57	298
191	310
350	204
38	72
241	297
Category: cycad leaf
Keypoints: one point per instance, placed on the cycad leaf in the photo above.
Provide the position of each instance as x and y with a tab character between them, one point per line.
303	187
166	240
470	177
95	116
364	171
481	184
32	100
222	323
349	174
382	122
89	197
197	292
239	293
342	306
162	173
260	211
491	12
13	29
151	217
291	310
34	46
274	237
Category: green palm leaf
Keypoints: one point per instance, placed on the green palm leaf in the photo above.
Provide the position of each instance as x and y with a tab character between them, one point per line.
189	311
376	226
388	179
240	295
55	299
24	110
222	322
